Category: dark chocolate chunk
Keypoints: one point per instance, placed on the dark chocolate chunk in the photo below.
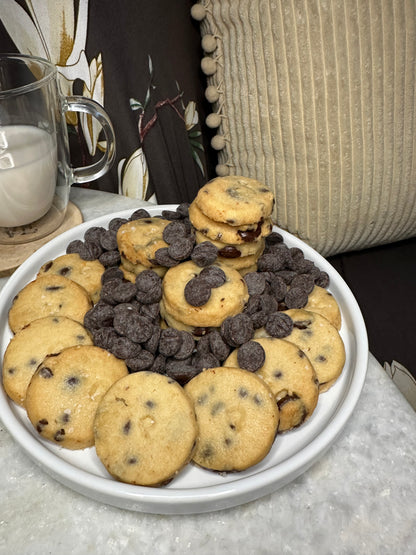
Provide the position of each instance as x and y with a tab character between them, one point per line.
279	325
251	356
197	292
213	275
296	297
170	341
204	253
256	283
139	214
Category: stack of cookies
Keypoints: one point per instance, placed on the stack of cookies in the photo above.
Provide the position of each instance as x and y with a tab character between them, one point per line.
234	213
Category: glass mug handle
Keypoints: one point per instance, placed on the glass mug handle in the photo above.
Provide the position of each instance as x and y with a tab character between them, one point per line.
99	168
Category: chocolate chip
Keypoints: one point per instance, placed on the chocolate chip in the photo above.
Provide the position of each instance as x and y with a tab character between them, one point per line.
304	281
256	283
110	259
123	347
271	262
72	381
116	223
147	280
251	356
93	234
174	231
213	275
274	238
136	327
229	251
181	248
218	346
206	360
66	271
163	258
104	337
278	287
181	371
143	361
170	341
152	343
111	273
204	254
139	214
187	346
279	325
100	315
302	324
41	424
237	329
250	235
151	296
116	291
127	427
197	292
59	435
45	372
296	297
322	280
108	240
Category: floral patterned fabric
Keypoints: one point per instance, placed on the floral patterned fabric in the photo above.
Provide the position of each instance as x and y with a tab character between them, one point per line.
138	59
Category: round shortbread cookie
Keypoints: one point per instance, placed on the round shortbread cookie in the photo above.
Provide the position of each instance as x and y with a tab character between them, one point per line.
237	417
228	250
132	270
145	429
86	273
64	393
241	263
291	377
138	240
27	349
226	300
321	342
49	295
320	300
225	233
172	322
235	200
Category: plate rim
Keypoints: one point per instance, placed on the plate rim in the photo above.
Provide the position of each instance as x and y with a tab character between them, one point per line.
206	498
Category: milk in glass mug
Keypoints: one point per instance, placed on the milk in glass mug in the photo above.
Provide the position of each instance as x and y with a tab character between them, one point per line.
35	168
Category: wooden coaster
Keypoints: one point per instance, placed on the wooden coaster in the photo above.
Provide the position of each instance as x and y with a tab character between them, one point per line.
11	256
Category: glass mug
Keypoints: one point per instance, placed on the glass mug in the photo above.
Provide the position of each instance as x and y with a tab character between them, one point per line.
35	170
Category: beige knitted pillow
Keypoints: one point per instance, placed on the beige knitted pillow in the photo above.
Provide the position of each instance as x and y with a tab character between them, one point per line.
316	98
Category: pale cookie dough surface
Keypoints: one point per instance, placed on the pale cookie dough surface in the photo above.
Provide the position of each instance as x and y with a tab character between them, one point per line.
320	300
235	200
138	240
86	273
226	233
291	377
28	348
237	417
225	300
145	429
64	393
321	342
49	295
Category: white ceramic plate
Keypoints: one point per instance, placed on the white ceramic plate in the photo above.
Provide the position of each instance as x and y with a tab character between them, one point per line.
195	490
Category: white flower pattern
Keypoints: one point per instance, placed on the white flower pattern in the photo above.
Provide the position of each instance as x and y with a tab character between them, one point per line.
57	30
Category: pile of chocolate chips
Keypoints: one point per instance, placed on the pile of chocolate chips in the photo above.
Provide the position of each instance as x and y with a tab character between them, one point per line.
126	319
